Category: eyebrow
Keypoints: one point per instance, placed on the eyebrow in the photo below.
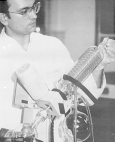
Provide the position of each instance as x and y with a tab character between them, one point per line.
27	6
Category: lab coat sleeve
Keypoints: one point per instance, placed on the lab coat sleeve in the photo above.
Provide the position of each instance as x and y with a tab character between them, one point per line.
90	84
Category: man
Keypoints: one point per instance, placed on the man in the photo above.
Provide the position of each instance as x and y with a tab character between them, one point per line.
19	44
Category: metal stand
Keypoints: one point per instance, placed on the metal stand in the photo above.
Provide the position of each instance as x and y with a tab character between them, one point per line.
76	84
75	114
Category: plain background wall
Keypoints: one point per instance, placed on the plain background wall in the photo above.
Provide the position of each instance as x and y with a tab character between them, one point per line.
74	20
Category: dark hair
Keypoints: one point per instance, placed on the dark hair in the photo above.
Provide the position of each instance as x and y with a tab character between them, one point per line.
4	6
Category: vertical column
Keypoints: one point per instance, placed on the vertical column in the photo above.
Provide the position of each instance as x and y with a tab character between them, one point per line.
53	16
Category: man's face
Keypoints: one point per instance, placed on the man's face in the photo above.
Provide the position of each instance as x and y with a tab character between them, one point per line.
16	23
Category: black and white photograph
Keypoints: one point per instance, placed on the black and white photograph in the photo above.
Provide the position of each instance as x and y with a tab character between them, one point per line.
57	70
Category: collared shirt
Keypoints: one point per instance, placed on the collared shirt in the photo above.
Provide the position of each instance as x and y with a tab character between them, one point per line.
50	58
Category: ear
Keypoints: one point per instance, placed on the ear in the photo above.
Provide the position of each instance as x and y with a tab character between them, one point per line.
3	19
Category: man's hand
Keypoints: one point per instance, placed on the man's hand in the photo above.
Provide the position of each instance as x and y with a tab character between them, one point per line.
107	48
